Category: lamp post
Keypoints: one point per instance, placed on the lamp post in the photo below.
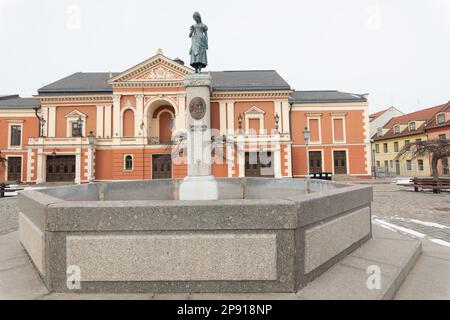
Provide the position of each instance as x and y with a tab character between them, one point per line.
374	168
91	138
306	134
277	123
41	121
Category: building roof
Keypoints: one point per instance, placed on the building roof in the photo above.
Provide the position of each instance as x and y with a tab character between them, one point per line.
326	96
248	80
422	115
432	123
375	115
82	82
15	102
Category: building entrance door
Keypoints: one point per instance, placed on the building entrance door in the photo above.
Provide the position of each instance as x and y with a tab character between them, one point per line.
14	169
60	169
340	162
259	164
162	166
315	162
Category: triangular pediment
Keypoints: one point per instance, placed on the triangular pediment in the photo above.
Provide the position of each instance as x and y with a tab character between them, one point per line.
254	110
157	68
76	114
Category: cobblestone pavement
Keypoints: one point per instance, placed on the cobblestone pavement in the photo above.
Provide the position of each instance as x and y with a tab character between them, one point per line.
8	216
425	213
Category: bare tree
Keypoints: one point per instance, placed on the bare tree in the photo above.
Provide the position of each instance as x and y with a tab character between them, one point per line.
437	149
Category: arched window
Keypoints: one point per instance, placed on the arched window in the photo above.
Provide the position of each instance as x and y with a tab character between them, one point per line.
128	165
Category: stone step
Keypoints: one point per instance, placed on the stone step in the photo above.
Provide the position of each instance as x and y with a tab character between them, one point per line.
395	255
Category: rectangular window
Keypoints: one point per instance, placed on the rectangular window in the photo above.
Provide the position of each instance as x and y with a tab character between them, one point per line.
420	164
75	130
396	146
378	164
314	130
418	140
408	165
391	164
16	136
386	164
377	148
442	137
441	118
385	147
253	126
406	145
338	126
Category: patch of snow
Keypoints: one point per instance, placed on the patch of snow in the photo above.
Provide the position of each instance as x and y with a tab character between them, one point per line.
402	229
441	242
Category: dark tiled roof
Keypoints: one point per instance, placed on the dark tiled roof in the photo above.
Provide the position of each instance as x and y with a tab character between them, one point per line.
15	102
222	81
325	96
248	80
80	82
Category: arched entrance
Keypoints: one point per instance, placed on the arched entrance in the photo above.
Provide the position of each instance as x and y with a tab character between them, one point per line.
160	116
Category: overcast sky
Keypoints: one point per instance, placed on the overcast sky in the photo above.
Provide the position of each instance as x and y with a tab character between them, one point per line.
396	50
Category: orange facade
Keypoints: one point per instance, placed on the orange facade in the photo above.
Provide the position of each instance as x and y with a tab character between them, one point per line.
135	125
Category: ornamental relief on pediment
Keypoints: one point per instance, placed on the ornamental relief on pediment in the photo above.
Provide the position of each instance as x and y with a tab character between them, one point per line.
159	73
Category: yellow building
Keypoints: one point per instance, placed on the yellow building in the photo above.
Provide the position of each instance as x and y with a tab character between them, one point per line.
395	135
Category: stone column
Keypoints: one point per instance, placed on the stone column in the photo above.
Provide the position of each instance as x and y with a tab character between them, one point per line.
52	122
200	184
139	116
241	154
78	166
285	117
100	111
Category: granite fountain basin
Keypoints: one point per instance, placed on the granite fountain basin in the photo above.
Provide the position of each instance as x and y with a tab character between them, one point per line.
262	235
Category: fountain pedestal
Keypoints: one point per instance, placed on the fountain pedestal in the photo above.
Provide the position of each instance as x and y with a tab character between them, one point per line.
199	184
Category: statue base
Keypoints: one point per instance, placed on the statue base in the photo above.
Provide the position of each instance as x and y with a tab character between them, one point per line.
199	188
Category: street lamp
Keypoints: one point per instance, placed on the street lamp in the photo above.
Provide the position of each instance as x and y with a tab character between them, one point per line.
91	139
277	123
37	111
306	135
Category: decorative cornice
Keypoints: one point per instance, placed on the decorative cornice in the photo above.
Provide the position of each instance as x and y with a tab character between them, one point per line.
251	94
178	83
52	99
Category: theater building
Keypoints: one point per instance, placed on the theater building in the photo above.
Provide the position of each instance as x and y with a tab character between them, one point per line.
129	125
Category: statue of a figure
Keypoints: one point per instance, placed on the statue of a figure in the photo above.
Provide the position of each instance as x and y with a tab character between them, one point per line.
199	36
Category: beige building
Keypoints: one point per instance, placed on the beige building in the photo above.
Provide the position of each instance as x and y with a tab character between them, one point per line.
395	135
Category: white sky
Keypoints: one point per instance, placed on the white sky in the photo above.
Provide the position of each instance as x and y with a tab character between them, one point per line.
396	50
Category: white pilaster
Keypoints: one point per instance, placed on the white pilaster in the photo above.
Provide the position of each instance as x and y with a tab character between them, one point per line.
230	117
78	166
278	112
100	121
108	121
29	165
181	116
40	166
139	116
277	158
285	117
241	155
52	122
116	116
223	117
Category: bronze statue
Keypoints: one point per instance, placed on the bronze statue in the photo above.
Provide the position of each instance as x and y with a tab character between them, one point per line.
199	36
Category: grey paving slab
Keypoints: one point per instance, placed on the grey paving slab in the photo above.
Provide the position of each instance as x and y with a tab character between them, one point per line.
430	277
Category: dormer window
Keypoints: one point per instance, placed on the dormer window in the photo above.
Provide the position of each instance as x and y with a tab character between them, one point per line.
440	119
412	126
397	129
380	132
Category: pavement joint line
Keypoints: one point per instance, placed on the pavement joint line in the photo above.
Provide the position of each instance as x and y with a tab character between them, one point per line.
375	261
434	257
